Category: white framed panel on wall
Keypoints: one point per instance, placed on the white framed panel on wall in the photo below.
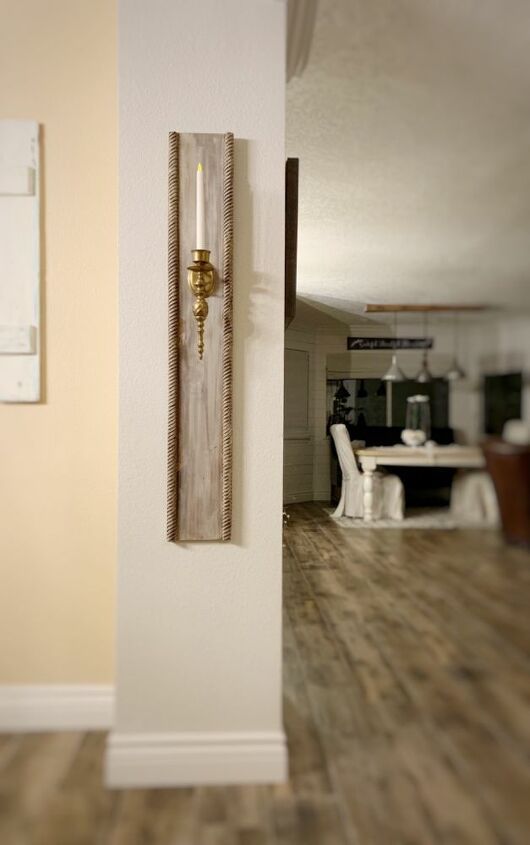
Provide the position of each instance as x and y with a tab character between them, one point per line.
19	261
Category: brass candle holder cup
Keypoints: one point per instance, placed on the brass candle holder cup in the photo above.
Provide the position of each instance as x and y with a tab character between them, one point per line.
201	281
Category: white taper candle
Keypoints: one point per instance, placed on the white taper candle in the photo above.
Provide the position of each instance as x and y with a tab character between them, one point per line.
200	239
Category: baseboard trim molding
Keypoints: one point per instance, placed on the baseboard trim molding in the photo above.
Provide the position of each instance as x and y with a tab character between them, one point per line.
56	707
294	498
188	759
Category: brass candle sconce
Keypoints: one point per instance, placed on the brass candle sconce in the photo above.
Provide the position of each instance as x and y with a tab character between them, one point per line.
201	279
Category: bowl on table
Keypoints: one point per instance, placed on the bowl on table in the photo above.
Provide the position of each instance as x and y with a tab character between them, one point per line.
413	436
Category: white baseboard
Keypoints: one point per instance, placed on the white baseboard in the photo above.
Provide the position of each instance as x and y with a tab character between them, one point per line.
187	759
293	498
56	707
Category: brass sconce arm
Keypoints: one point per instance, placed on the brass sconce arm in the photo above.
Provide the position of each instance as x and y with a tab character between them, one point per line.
201	281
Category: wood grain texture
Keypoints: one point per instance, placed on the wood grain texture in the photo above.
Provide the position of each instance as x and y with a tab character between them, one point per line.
200	392
406	690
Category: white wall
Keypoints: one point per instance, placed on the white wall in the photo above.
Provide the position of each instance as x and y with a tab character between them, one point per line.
199	633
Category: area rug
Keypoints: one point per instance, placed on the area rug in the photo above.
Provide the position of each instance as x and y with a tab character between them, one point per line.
432	518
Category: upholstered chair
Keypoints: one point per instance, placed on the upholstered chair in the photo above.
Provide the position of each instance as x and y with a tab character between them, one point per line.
388	492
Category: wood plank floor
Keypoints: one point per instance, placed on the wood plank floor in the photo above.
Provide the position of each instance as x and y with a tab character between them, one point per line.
407	707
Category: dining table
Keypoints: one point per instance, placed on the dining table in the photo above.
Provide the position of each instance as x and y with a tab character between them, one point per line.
431	455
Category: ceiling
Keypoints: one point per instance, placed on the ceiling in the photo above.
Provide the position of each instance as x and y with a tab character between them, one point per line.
412	125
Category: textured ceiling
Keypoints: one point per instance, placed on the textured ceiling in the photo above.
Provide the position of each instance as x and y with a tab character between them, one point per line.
412	125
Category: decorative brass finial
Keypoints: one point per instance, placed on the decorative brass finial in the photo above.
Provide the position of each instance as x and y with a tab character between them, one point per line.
201	282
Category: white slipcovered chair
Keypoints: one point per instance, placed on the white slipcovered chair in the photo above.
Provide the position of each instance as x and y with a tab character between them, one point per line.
388	493
516	432
473	498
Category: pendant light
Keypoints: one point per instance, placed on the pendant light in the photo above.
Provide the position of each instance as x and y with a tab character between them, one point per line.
424	376
341	392
455	371
394	372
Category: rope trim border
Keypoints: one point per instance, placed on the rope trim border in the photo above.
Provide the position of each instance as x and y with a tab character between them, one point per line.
173	338
227	316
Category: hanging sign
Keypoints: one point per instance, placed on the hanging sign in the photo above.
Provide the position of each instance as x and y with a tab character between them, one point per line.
370	343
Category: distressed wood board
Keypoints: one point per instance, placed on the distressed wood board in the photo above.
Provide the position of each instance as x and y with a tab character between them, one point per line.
19	261
200	391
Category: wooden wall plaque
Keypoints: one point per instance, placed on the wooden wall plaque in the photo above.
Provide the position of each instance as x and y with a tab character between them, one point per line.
199	497
20	262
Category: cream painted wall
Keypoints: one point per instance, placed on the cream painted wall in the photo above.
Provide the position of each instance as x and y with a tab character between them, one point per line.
58	458
199	624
